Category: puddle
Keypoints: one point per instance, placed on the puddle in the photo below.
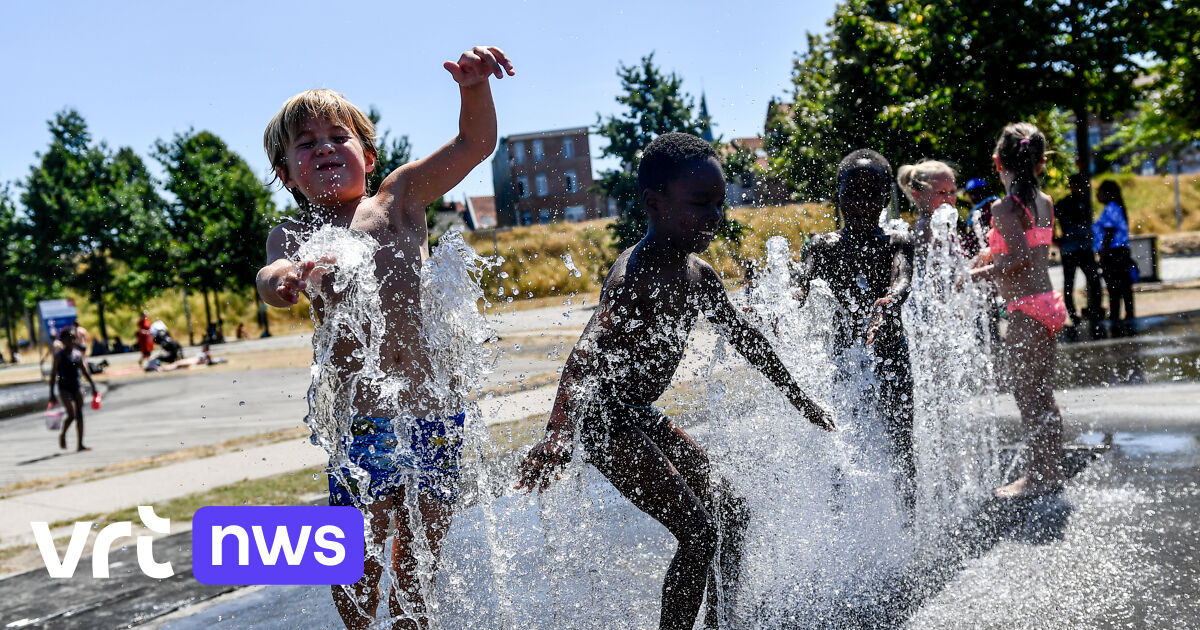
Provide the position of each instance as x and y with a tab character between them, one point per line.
1152	359
1145	443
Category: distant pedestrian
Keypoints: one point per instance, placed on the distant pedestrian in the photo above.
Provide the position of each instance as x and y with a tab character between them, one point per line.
242	333
1111	234
145	339
68	363
1075	244
979	219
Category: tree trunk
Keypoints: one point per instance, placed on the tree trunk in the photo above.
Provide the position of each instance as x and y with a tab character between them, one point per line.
187	317
207	311
8	328
1083	145
220	336
99	295
29	327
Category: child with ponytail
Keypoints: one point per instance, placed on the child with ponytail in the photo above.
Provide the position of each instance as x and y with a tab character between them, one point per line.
1019	243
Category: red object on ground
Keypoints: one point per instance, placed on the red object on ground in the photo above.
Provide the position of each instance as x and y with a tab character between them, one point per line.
96	400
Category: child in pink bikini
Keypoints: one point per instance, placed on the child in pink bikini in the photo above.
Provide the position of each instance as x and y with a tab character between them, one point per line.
1017	260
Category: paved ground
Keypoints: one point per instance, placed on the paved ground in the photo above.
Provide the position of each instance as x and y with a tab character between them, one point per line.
1117	551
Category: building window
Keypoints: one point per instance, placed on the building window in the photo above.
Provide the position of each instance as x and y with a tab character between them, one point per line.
575	213
540	182
612	207
572	181
522	187
518	153
568	147
526	218
539	151
543	215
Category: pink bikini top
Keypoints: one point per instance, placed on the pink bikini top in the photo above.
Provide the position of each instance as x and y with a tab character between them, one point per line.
1034	236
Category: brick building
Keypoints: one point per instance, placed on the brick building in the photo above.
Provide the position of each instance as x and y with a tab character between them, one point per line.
544	177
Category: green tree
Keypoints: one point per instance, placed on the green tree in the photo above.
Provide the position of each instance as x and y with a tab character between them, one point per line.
940	80
95	218
14	248
220	218
653	104
392	153
1167	116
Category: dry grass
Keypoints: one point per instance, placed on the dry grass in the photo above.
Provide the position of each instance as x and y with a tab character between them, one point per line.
1151	201
533	266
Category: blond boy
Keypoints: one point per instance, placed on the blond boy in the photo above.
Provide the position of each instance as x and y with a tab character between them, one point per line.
321	148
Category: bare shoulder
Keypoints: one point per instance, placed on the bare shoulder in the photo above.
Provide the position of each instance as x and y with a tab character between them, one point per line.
824	241
617	276
393	195
701	270
1004	207
283	241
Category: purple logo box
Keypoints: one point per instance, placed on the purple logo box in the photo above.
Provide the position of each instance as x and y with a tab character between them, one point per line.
277	545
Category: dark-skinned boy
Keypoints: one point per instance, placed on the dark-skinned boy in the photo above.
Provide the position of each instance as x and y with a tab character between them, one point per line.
870	271
625	359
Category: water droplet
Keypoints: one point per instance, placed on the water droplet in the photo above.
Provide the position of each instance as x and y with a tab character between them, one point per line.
241	403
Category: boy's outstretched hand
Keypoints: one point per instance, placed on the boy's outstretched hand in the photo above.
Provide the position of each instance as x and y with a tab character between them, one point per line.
544	460
474	66
297	279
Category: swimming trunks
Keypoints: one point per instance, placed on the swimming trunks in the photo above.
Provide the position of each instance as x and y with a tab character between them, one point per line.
429	453
70	362
1035	236
1046	308
611	414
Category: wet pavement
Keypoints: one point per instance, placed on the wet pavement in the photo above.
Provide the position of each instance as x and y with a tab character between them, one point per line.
1116	550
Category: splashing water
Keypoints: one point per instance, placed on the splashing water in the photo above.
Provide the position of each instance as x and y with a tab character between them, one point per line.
570	263
826	522
947	317
452	337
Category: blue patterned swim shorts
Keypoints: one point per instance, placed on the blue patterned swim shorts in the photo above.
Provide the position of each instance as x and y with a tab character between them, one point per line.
428	452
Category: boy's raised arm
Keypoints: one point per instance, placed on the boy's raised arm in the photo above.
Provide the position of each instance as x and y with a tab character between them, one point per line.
752	345
420	182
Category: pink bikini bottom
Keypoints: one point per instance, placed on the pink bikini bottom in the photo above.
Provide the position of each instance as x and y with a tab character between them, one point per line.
1046	308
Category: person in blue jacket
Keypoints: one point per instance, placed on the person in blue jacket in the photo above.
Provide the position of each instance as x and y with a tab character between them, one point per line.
1110	233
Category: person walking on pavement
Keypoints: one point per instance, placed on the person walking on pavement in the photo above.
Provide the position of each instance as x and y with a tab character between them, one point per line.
68	364
1075	244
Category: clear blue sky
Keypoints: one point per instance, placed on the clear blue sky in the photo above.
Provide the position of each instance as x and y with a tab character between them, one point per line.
143	71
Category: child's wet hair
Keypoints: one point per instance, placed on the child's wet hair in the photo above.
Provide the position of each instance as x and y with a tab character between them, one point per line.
667	156
918	176
866	160
303	107
1020	150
